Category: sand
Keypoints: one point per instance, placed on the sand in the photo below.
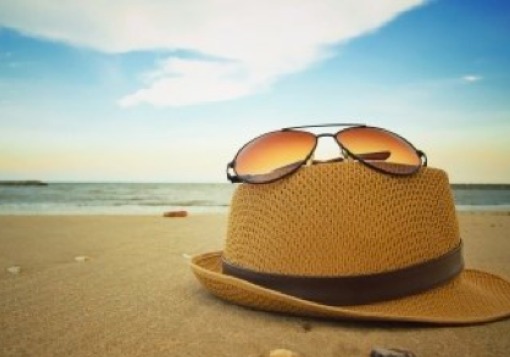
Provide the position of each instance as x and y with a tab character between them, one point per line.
121	286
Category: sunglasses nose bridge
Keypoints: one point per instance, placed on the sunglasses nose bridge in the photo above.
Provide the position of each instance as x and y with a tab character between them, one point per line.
324	135
322	150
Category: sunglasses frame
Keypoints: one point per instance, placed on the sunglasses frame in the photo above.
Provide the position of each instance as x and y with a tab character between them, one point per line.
236	178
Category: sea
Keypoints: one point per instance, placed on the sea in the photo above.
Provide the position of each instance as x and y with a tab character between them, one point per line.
156	198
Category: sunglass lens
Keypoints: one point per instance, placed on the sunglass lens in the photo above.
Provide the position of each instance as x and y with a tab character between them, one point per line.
273	155
381	149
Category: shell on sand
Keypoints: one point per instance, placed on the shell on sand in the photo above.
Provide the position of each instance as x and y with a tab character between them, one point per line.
14	269
81	258
186	256
283	353
393	352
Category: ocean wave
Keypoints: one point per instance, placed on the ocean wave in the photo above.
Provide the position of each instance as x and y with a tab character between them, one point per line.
86	198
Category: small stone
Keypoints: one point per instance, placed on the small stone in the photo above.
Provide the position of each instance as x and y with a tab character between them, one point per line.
186	256
175	214
393	352
82	258
306	326
14	269
283	353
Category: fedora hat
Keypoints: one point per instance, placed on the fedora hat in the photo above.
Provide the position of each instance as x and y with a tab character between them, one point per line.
342	241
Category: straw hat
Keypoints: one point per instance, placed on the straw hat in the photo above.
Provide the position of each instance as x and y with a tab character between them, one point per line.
345	242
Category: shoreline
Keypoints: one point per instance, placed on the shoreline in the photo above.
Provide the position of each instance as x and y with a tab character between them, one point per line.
463	209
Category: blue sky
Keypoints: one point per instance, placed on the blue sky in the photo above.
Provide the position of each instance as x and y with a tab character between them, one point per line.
151	91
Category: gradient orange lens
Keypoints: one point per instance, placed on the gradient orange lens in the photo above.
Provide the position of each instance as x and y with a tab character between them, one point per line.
273	155
381	149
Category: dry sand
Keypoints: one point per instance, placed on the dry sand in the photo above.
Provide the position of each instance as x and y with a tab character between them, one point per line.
121	286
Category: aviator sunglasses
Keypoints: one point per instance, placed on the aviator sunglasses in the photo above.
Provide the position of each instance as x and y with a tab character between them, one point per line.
275	155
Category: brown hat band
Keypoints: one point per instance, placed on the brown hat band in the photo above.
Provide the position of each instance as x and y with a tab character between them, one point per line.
359	289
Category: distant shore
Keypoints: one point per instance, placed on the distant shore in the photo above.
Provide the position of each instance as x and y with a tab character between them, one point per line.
23	183
478	186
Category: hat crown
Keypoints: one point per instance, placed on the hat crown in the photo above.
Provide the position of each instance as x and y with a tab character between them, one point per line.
341	220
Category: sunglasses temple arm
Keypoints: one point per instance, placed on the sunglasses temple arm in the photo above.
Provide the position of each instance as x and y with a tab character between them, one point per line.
232	178
423	157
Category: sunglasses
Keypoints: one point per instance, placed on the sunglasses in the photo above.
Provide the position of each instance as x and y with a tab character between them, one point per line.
275	155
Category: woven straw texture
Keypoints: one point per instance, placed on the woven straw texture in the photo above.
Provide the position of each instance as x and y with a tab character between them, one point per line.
345	219
341	219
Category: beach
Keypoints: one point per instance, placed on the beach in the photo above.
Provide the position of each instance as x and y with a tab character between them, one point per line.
105	285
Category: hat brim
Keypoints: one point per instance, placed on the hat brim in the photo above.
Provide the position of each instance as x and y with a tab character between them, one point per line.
472	297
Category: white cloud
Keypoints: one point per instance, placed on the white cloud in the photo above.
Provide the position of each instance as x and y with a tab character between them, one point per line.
259	40
185	82
470	78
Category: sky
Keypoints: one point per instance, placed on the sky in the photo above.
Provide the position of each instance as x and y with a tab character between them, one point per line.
168	91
